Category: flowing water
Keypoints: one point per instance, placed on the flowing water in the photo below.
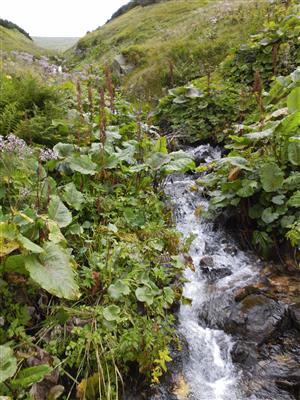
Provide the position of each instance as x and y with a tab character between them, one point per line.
208	369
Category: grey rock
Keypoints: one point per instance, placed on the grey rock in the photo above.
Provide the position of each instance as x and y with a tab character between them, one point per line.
120	66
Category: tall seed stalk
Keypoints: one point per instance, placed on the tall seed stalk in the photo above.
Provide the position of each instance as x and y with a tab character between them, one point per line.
79	109
110	88
257	90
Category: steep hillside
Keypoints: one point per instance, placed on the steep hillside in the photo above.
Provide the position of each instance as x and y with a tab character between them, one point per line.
14	40
170	42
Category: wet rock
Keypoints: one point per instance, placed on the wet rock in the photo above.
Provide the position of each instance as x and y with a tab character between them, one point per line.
211	272
295	315
245	353
242	293
200	156
257	317
216	312
207	261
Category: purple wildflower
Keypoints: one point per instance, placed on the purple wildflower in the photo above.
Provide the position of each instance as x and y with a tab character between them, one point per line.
13	144
48	154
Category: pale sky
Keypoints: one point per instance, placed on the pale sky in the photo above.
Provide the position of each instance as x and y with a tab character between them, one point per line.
59	17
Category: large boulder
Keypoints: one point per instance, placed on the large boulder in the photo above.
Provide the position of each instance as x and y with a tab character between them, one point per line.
257	318
120	66
211	272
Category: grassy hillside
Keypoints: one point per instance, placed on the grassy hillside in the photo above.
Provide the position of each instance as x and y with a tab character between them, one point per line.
171	42
13	40
55	43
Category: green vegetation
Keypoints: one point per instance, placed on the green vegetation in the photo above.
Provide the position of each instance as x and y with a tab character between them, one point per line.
257	114
90	265
34	110
171	42
260	176
203	110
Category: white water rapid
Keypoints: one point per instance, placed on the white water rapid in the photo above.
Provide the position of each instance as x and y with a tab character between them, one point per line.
208	368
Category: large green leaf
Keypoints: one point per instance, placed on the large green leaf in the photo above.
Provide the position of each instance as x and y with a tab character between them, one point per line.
260	135
271	177
293	100
118	289
156	160
294	201
64	149
146	294
28	376
53	271
59	212
72	196
82	164
8	363
55	234
29	245
111	313
237	161
268	216
294	153
8	236
180	162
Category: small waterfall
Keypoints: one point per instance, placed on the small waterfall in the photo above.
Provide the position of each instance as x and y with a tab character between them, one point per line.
208	369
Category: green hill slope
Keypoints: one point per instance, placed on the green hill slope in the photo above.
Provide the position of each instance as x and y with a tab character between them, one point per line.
55	43
14	40
171	42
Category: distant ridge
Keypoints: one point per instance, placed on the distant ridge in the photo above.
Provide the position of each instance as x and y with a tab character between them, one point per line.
132	4
55	43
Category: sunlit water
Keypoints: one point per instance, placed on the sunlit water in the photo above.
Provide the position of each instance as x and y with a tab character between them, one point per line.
208	370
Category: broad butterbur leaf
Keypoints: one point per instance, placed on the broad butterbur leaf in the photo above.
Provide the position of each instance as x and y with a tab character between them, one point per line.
53	271
294	153
157	160
111	313
145	295
8	236
180	162
8	363
294	201
55	234
118	289
268	216
64	149
293	100
259	135
59	212
29	245
82	164
26	377
271	177
73	197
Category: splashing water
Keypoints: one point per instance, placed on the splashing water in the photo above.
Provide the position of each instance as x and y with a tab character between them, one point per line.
208	370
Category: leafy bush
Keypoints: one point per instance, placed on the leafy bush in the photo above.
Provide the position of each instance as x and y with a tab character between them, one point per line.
260	175
203	111
274	51
29	109
89	267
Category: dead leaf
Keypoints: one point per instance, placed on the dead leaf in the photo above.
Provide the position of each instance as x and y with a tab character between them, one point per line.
234	173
